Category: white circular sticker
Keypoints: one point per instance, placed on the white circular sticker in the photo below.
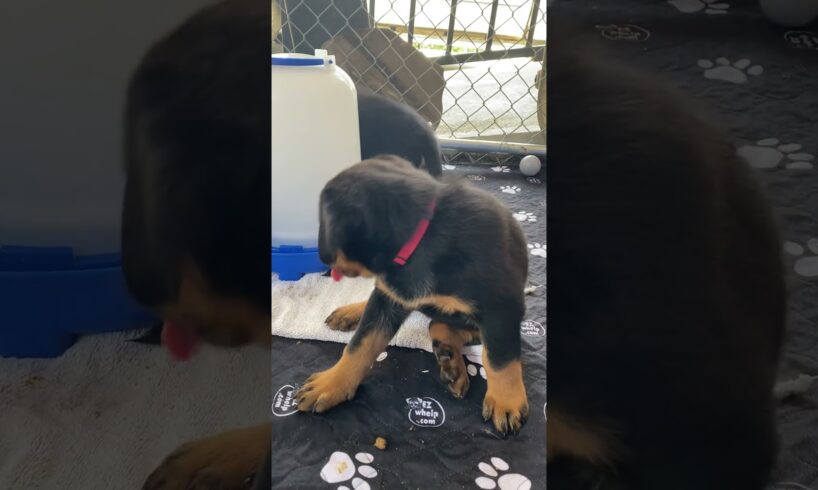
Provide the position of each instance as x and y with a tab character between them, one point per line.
425	412
284	401
532	328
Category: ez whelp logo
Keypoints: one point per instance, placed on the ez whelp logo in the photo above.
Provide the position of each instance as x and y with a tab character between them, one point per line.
532	329
802	39
284	401
623	32
425	412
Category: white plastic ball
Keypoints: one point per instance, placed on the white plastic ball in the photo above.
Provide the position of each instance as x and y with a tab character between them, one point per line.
530	165
790	13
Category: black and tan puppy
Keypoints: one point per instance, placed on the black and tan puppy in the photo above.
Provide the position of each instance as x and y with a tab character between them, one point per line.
388	127
448	250
666	298
196	219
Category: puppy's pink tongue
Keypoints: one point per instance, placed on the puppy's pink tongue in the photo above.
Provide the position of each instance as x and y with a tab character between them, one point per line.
180	338
336	276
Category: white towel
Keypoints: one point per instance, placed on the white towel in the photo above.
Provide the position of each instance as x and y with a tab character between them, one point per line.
300	308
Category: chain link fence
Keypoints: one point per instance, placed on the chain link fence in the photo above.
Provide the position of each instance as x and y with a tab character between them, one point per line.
473	68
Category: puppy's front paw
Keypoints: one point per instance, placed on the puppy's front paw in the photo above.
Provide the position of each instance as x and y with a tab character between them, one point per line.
346	318
324	390
506	402
507	411
226	461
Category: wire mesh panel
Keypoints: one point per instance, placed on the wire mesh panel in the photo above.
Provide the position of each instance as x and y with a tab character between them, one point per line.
472	68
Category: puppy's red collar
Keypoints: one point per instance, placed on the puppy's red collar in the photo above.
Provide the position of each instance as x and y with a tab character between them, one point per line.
409	247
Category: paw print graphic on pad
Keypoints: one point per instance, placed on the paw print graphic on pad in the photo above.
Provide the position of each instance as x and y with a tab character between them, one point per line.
341	468
474	354
806	263
495	476
510	189
537	249
725	71
770	153
525	217
501	168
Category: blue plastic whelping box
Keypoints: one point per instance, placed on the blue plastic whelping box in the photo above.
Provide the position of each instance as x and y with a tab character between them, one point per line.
291	262
50	297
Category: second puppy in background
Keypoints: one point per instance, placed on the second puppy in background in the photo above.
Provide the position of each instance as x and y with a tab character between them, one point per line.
393	128
448	250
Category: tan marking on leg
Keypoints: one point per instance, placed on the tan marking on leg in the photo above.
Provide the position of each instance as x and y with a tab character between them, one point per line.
339	383
448	343
566	436
346	318
222	320
226	460
440	330
506	402
350	268
445	303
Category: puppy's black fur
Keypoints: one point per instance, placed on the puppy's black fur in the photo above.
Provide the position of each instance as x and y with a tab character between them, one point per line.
473	252
473	249
666	291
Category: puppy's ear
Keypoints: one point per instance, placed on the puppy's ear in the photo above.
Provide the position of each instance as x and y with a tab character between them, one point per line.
392	213
338	220
393	209
370	210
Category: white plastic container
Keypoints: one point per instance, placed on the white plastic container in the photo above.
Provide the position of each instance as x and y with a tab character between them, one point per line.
315	135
